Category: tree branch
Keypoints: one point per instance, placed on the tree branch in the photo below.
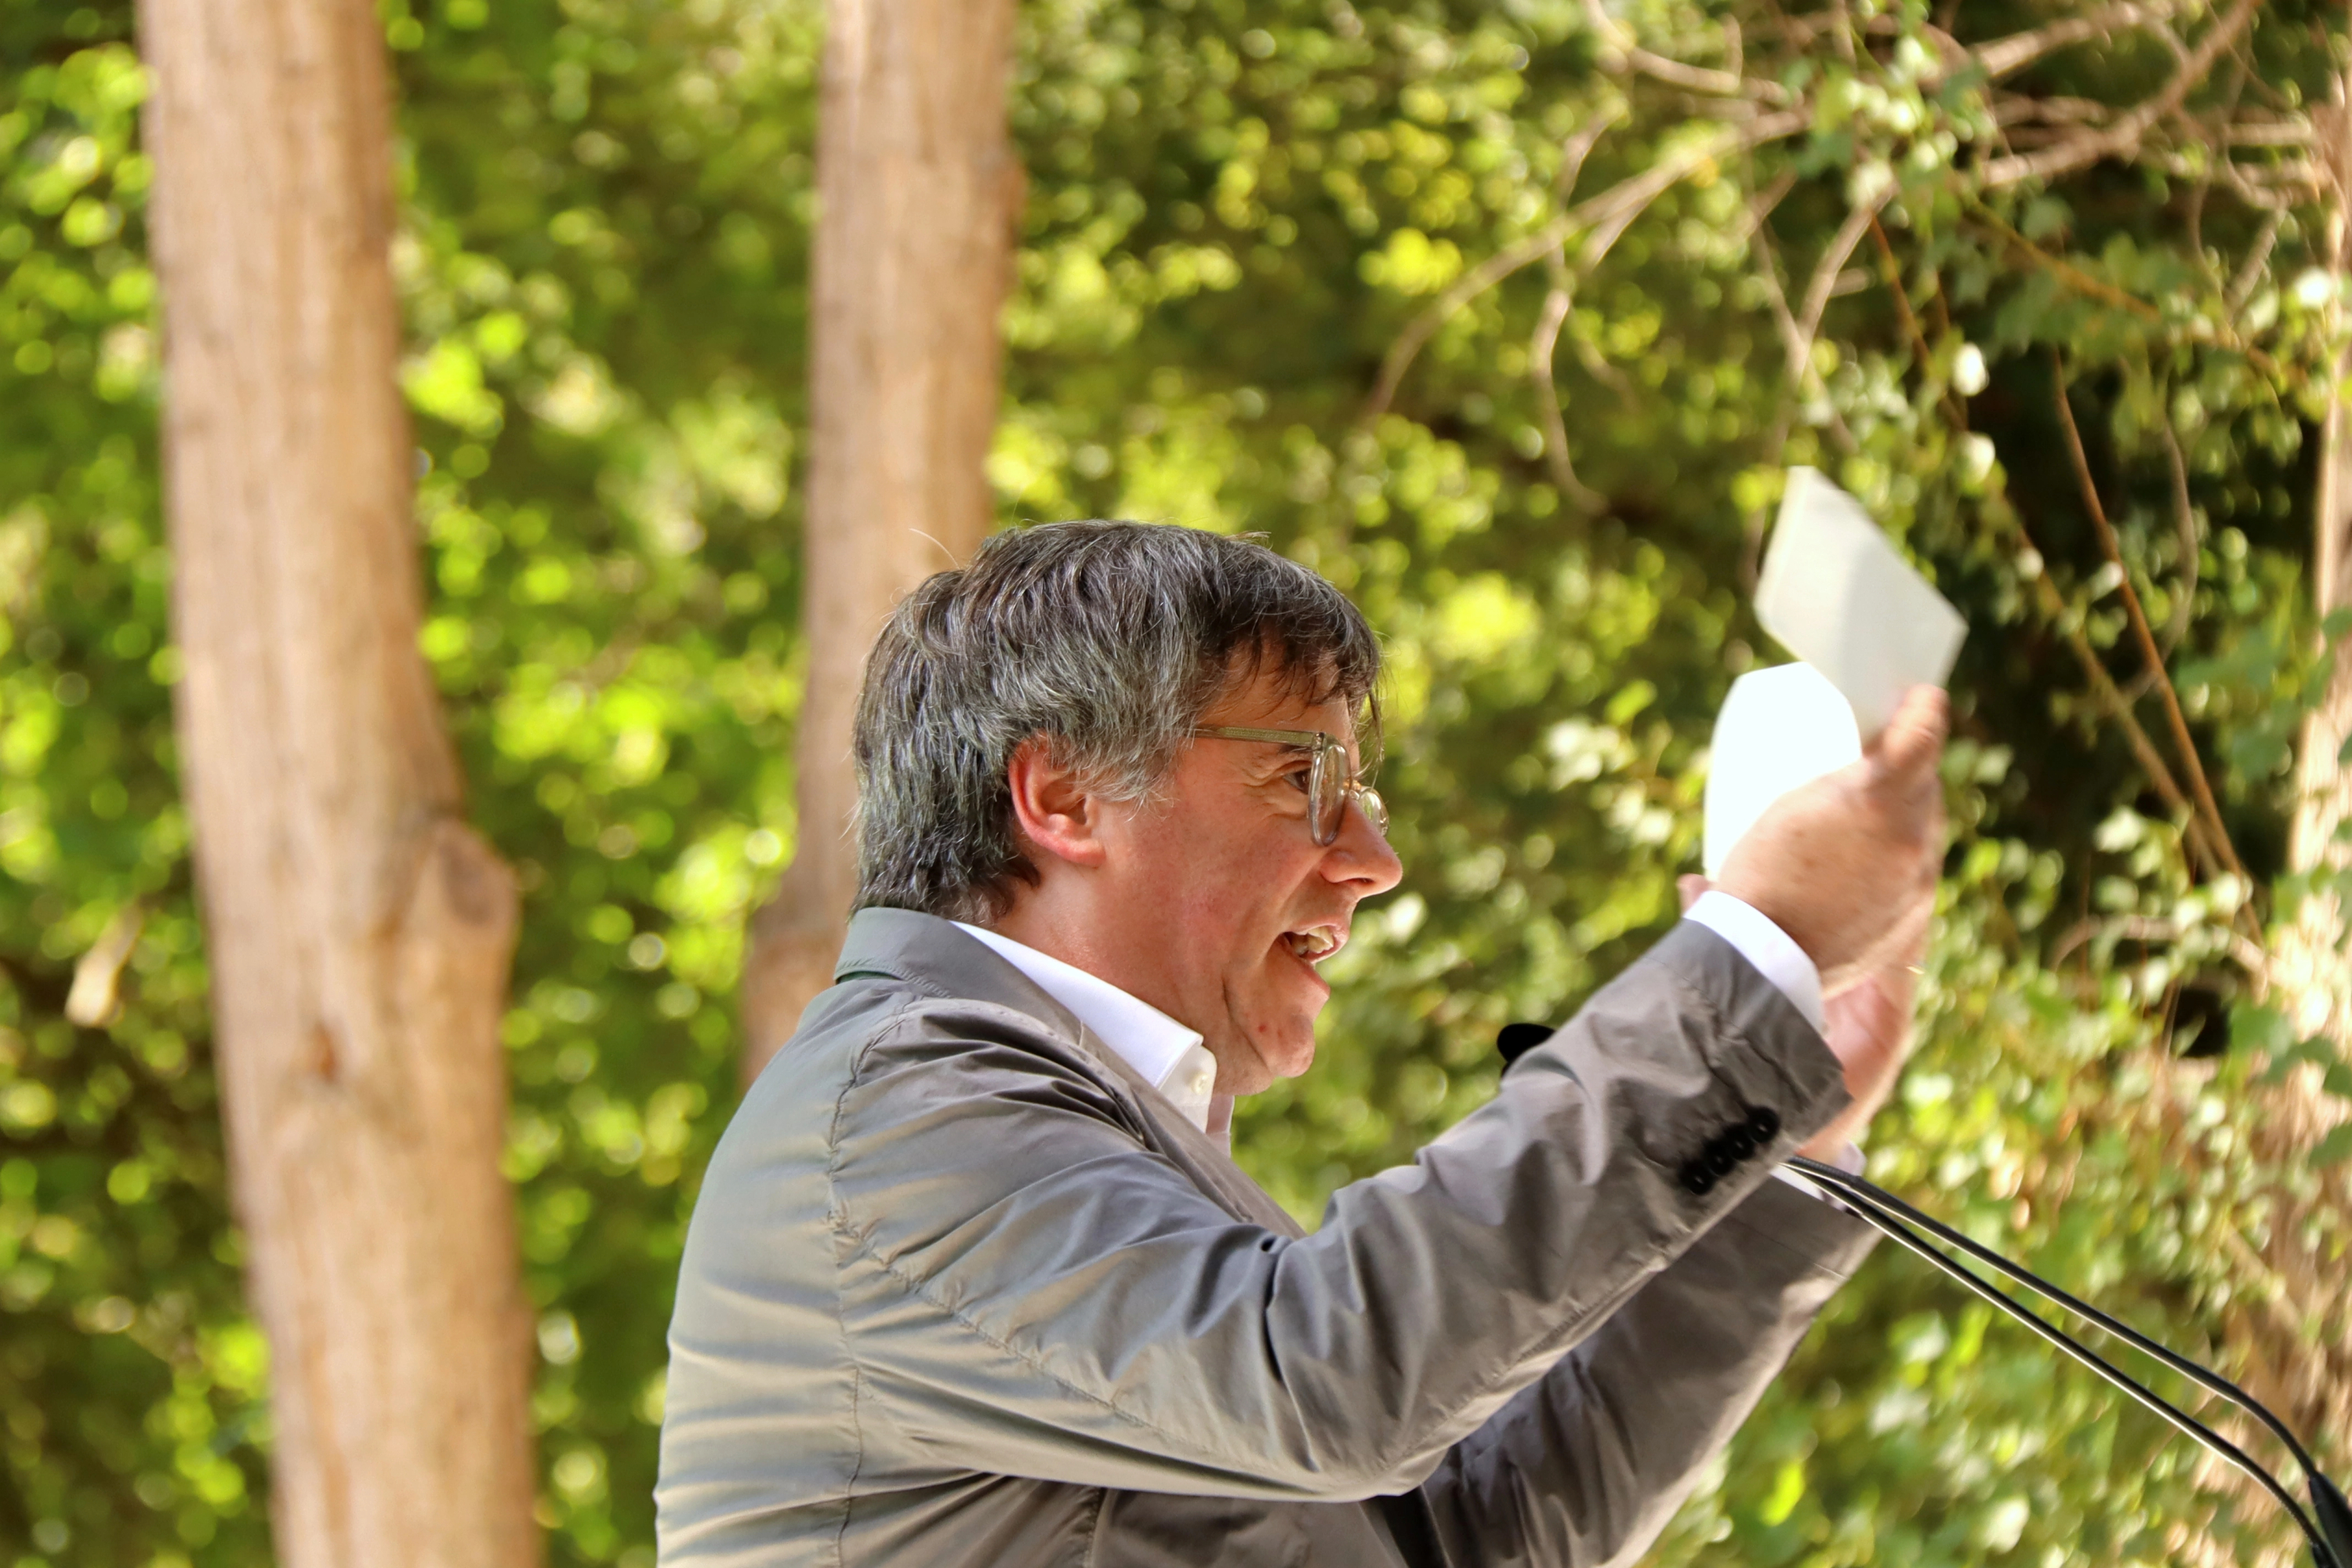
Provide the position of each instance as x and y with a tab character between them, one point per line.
2118	708
2082	282
1954	410
1732	83
1602	218
1800	354
2184	517
1542	348
1543	345
1825	275
2241	287
2269	134
2024	109
2006	57
2150	929
2190	762
2103	687
2126	131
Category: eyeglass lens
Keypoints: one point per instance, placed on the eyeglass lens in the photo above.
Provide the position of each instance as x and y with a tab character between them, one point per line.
1331	786
1331	796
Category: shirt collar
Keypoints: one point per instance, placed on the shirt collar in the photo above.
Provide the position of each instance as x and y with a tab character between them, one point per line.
1168	1056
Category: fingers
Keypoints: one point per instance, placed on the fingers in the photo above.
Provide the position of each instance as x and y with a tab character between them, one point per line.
1902	767
1894	957
1914	739
1908	943
1689	887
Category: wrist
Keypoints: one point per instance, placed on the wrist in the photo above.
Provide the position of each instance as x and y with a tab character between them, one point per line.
1768	949
1767	898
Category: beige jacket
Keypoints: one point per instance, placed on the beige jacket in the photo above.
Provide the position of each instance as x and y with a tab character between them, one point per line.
960	1289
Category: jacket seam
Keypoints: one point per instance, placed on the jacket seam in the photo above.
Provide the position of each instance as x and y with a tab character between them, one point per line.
1731	1034
840	1309
857	1435
923	984
1094	1527
924	1292
1381	1466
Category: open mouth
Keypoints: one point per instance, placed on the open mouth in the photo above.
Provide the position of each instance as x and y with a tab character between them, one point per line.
1315	943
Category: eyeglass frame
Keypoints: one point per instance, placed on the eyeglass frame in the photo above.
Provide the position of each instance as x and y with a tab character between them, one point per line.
1322	748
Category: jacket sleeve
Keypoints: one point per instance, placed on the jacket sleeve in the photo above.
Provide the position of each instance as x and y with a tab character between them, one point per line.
1588	1464
1026	1288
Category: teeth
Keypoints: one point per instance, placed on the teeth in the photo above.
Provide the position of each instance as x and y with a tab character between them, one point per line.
1314	946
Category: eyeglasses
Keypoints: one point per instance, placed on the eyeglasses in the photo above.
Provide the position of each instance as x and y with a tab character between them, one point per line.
1330	780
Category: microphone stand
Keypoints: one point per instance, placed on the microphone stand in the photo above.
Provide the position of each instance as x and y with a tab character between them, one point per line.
2328	1525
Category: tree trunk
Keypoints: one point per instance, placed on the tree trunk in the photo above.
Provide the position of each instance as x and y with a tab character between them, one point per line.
2300	1340
359	932
917	192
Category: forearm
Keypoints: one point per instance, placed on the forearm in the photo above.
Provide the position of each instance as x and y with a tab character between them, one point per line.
1586	1466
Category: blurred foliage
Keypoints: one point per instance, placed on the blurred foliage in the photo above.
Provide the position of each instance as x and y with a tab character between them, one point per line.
1236	210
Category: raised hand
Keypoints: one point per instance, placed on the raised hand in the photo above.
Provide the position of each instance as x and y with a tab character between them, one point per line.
1847	865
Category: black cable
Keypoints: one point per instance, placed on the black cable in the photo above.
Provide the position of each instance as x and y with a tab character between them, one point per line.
1886	1212
2211	1381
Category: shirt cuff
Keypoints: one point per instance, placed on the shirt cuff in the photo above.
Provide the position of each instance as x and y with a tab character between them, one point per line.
1773	954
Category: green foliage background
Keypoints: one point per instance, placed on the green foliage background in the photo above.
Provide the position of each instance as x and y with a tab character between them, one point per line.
1235	210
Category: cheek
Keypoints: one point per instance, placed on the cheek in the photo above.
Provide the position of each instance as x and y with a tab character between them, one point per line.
1191	885
1235	870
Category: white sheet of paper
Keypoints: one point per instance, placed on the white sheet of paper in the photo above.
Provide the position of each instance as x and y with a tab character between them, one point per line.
1779	729
1839	596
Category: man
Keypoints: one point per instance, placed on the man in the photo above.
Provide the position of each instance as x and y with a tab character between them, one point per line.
972	1279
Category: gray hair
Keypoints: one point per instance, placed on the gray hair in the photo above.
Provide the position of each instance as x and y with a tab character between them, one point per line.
1105	640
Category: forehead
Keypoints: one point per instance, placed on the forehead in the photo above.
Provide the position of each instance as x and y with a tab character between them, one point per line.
1270	697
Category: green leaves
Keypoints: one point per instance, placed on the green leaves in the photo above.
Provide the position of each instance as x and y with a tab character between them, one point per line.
1235	210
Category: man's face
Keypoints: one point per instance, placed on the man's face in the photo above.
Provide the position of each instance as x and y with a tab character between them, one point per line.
1226	902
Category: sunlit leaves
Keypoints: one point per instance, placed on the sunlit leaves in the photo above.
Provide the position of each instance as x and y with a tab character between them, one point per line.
1234	211
132	1411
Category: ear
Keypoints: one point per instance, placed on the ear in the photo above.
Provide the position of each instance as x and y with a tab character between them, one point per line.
1052	808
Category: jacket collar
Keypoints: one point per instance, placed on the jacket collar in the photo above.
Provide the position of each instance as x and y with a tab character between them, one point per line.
934	957
930	955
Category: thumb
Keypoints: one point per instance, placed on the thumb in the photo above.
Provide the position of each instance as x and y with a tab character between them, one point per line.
1914	739
1689	887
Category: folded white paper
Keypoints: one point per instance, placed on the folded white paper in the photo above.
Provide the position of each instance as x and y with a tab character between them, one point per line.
1780	729
1839	596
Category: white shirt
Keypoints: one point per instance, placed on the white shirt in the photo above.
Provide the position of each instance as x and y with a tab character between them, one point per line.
1171	1058
1772	951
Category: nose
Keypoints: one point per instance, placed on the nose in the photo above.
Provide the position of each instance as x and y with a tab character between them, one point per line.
1360	859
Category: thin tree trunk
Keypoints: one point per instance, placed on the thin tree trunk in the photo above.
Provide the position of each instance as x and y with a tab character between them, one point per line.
358	931
916	195
2299	1340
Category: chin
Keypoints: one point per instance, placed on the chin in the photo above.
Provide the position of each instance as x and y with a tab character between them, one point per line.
1286	1051
1297	1065
1293	1054
1280	1029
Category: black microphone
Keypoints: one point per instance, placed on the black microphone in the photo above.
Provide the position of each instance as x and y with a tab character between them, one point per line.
2328	1527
